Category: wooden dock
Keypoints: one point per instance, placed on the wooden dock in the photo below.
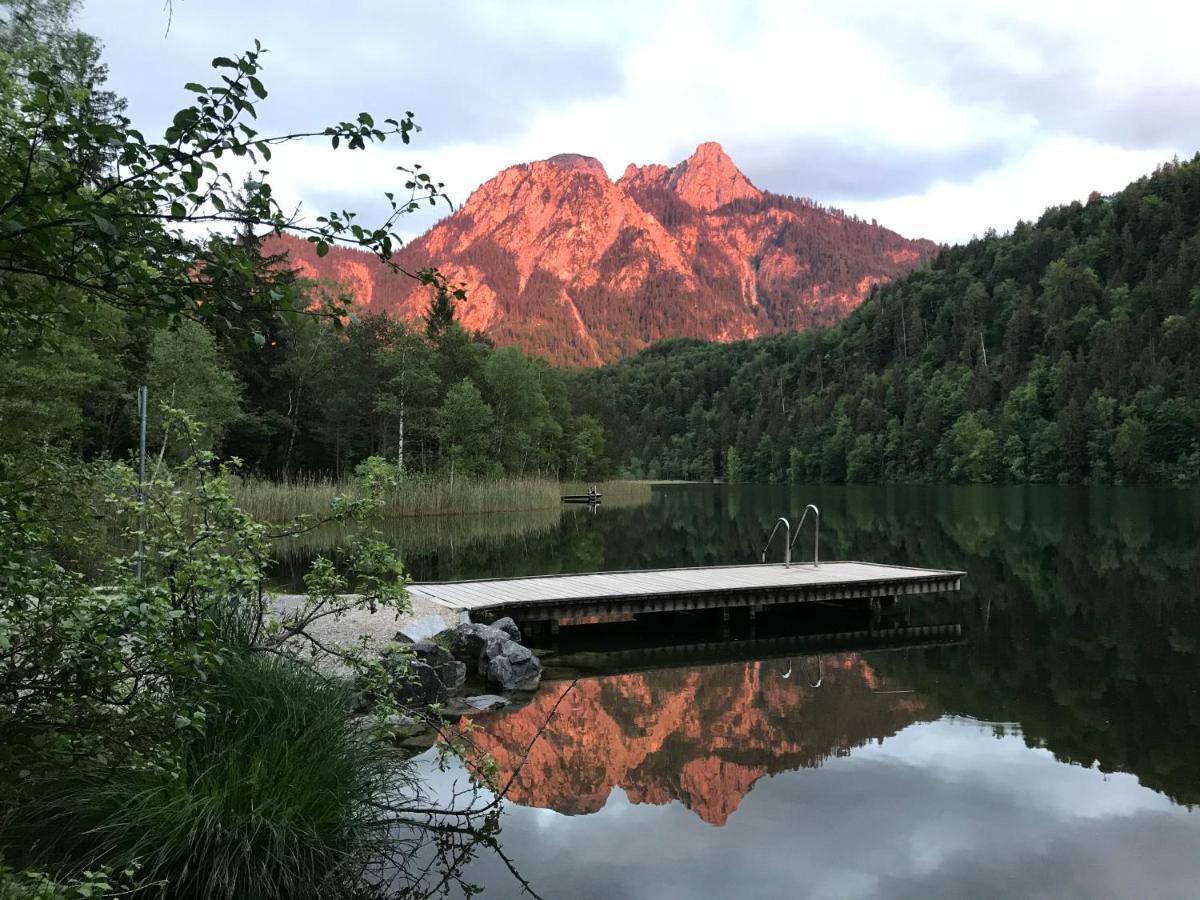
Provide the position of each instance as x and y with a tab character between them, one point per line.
554	598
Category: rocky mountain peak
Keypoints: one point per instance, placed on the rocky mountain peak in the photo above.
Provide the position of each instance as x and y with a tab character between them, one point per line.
560	260
580	162
708	179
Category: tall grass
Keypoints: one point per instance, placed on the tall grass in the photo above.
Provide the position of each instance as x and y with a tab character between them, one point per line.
273	800
419	534
274	501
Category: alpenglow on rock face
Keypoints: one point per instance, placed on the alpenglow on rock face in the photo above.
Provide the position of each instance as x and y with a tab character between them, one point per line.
564	262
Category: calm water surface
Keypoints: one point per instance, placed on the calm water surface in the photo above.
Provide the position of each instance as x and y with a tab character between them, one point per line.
1052	750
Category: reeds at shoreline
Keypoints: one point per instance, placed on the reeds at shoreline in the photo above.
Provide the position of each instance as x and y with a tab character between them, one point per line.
273	501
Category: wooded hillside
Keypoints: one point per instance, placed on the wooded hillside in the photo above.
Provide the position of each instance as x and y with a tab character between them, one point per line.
1066	351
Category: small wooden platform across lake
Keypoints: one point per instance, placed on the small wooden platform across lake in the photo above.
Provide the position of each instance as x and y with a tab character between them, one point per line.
552	598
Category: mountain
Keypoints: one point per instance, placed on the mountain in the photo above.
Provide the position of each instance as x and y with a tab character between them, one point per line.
702	737
1065	351
564	262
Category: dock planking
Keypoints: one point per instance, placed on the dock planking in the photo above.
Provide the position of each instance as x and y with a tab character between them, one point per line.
555	597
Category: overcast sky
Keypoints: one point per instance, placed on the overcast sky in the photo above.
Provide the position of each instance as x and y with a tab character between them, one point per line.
940	119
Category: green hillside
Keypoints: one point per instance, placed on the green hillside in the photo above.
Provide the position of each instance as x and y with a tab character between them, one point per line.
1067	350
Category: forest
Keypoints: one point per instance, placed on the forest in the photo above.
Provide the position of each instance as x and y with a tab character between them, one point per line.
1065	351
311	395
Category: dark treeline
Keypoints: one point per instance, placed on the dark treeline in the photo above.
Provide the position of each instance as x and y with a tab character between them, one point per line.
1068	350
430	397
312	396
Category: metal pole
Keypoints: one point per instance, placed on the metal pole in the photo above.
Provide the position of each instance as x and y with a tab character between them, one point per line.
817	539
142	402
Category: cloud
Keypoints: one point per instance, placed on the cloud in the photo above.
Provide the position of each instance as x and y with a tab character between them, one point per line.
939	118
827	166
468	71
941	809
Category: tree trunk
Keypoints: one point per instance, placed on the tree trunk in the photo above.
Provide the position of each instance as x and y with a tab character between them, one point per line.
400	440
294	415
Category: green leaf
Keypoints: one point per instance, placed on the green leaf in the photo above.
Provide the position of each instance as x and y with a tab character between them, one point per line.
322	248
178	211
195	88
104	225
257	86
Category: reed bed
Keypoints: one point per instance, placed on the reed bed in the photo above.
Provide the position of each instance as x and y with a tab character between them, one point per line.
418	534
273	501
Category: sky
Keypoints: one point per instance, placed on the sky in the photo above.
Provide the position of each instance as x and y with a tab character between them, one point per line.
938	119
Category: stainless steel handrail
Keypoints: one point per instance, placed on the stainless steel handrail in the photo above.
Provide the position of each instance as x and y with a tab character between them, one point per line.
787	544
816	533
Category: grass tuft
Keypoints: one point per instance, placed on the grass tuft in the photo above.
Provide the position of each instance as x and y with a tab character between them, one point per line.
273	800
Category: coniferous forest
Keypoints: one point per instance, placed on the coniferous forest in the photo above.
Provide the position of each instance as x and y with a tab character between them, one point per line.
1065	351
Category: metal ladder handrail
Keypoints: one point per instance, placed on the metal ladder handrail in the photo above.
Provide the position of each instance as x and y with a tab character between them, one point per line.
816	533
812	684
787	544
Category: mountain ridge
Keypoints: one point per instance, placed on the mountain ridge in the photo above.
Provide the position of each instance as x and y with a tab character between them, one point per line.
563	261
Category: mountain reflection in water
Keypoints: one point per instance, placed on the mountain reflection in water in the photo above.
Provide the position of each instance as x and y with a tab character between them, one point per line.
702	737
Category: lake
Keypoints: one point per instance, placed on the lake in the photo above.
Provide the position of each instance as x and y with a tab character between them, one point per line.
1045	741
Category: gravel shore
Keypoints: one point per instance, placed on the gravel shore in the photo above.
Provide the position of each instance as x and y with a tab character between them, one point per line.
379	628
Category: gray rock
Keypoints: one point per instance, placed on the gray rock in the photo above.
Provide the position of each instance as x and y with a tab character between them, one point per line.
423	674
507	648
498	671
465	642
400	726
420	686
451	672
401	721
469	706
453	675
485	702
509	665
421	629
509	627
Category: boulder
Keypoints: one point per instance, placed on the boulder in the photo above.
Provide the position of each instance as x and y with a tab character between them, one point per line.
469	706
423	673
485	702
479	647
520	677
466	641
451	672
509	665
419	685
506	647
399	725
509	627
420	629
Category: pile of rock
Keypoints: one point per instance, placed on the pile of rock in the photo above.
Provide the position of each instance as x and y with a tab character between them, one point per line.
437	668
495	653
